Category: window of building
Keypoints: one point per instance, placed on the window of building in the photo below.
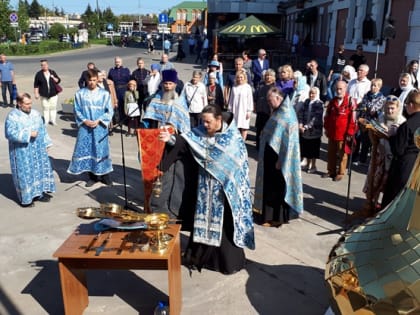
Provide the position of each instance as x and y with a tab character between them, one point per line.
359	12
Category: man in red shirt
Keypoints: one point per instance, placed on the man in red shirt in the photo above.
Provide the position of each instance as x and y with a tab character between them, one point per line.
340	126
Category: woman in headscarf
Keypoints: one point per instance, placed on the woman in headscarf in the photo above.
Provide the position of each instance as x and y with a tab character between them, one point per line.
381	129
220	213
310	128
278	188
348	74
300	92
405	86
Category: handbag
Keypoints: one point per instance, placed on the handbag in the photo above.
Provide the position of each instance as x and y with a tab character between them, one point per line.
58	87
14	92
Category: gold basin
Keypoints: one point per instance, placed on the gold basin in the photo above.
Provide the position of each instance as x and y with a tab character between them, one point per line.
88	213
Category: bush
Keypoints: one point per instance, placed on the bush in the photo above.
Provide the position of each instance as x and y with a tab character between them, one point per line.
44	47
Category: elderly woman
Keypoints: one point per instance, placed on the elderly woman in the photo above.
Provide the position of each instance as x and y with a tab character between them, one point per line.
370	108
131	108
405	86
310	129
214	91
219	171
300	91
241	102
383	127
285	81
348	73
262	108
278	188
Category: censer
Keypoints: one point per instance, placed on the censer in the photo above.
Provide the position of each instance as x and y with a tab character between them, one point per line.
157	187
374	269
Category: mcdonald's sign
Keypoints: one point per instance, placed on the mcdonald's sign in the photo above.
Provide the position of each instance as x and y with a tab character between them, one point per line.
259	29
236	29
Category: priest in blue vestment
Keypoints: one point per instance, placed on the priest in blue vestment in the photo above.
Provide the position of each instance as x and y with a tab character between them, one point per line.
278	184
217	205
28	142
93	111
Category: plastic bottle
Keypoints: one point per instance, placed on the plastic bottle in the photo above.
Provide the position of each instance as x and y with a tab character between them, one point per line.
161	309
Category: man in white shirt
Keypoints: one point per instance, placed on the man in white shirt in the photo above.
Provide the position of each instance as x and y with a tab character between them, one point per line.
196	97
358	87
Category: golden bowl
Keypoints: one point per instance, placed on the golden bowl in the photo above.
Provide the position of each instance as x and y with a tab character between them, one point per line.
88	213
157	221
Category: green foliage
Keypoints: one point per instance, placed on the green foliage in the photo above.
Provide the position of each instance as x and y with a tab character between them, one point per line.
56	29
5	28
23	21
72	30
42	48
35	10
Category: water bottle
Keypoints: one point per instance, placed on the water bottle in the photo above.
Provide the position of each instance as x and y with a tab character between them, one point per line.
162	308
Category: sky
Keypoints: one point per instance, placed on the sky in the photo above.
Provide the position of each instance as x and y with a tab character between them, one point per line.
117	6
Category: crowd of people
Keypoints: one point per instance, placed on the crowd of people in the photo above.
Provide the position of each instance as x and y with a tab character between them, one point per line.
201	127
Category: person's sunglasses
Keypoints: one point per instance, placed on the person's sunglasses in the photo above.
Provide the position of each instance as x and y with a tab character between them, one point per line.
391	99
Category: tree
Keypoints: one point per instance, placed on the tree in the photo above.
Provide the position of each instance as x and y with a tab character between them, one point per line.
5	28
35	9
56	29
23	16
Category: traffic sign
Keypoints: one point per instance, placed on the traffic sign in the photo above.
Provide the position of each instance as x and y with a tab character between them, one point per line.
163	18
13	17
14	24
110	27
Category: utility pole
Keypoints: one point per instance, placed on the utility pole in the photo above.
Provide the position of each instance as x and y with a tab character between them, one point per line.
140	22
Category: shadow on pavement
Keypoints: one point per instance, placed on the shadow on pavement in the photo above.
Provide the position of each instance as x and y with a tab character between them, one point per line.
292	289
7	305
318	204
45	288
7	189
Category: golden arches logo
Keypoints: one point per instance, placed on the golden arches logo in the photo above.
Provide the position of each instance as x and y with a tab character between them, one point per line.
236	28
259	29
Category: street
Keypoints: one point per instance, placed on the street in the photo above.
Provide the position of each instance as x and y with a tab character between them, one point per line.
284	274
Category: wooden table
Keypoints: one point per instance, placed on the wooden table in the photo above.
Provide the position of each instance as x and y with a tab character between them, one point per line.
73	263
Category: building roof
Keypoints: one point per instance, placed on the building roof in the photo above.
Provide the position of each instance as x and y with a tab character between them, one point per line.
191	5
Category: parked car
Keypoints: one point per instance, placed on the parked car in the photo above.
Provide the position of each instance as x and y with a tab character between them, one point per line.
64	38
138	37
36	37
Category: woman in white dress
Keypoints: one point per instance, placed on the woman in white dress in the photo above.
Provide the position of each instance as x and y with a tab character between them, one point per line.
241	102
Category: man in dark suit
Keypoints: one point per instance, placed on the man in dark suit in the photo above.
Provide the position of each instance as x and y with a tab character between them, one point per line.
258	66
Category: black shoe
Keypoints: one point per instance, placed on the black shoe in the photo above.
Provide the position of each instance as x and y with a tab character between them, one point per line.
29	205
90	183
44	198
111	133
106	180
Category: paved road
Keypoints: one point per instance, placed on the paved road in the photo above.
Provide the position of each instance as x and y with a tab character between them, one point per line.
284	274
